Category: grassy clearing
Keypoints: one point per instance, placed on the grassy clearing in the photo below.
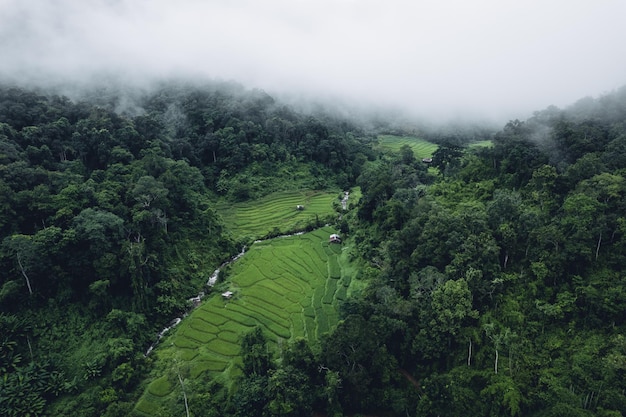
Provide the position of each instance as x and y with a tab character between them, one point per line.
289	286
147	405
277	213
207	366
223	347
341	293
421	148
331	289
160	387
482	144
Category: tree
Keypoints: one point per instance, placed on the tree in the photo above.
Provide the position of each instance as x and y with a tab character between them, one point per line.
515	154
255	354
25	254
452	307
182	387
407	157
250	399
500	336
289	392
446	158
19	395
149	192
442	319
377	188
583	224
503	397
366	369
542	186
101	229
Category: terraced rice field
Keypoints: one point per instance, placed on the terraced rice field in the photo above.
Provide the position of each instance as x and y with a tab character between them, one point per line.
421	148
289	286
277	212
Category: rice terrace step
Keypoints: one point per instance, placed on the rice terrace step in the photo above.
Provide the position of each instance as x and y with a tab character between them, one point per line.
289	286
279	212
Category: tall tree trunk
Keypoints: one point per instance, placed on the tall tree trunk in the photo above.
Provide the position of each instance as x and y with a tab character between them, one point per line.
598	246
30	349
495	366
184	393
19	262
469	353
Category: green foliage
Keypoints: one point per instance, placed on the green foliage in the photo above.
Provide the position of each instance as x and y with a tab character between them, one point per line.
277	213
446	159
254	352
282	293
497	271
494	288
95	211
421	148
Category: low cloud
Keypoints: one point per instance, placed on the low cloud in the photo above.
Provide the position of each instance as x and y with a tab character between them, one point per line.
450	58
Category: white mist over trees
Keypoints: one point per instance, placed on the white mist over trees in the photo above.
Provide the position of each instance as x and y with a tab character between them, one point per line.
441	59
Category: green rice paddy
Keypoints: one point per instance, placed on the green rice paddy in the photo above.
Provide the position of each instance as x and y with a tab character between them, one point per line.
289	286
277	213
482	144
421	148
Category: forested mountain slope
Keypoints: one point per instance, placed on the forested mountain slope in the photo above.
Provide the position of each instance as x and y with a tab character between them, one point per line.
107	222
496	290
500	288
493	287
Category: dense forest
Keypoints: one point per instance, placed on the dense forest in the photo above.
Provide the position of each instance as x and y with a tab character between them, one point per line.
492	277
108	224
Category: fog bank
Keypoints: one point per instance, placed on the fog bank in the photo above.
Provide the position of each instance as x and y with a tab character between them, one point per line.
436	59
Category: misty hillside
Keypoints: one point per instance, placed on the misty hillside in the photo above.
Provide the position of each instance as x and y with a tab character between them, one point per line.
217	128
485	282
108	222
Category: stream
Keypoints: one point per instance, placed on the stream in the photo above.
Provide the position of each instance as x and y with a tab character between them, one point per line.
195	301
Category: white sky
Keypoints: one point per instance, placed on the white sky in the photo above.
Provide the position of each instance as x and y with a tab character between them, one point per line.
438	58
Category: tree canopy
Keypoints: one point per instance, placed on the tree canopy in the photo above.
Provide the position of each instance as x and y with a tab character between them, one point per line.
490	281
